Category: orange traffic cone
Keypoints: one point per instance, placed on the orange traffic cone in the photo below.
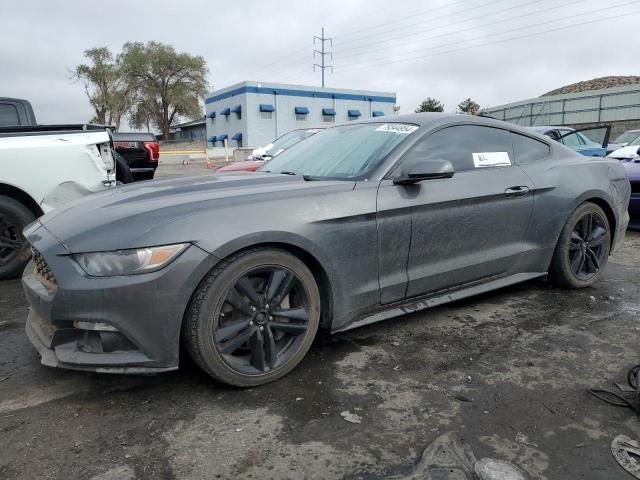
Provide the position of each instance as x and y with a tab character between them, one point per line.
208	164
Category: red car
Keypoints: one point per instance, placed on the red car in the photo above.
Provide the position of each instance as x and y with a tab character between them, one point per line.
273	149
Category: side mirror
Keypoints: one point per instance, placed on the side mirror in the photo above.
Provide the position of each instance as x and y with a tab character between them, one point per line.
419	170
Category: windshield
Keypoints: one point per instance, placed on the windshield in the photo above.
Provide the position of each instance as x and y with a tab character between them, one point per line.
626	137
635	142
346	151
289	139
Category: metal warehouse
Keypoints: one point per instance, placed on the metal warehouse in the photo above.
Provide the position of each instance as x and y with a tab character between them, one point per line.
610	100
253	114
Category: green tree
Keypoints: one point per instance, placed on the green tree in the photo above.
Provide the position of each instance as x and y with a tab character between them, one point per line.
430	105
106	86
169	85
468	106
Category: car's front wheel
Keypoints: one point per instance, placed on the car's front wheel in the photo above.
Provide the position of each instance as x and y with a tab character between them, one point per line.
583	248
253	318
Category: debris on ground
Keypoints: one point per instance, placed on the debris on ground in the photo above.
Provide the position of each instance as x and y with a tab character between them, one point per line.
446	458
351	417
490	469
626	452
626	395
462	398
522	439
395	344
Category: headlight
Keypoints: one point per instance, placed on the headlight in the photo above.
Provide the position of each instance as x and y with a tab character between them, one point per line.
129	262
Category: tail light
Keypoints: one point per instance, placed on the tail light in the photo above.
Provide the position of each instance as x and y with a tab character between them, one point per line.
154	150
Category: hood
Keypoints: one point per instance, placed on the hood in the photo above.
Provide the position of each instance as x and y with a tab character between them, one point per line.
625	152
141	214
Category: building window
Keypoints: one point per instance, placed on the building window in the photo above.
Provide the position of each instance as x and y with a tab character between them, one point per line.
238	111
266	115
329	115
301	113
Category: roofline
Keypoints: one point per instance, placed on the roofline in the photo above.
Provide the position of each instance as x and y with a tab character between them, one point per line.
299	91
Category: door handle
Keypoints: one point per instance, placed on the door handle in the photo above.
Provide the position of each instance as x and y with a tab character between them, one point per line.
517	191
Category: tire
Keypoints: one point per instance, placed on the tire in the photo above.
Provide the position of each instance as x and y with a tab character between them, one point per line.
123	172
573	250
233	336
14	249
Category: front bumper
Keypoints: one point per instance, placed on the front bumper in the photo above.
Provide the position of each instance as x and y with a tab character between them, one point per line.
142	313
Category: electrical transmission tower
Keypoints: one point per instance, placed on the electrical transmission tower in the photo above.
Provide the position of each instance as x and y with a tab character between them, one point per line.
323	53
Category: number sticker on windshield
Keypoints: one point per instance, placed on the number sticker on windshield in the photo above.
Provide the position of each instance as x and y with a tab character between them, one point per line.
491	159
397	128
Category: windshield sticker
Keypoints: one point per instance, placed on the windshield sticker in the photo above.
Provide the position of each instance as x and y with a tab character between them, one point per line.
490	159
397	128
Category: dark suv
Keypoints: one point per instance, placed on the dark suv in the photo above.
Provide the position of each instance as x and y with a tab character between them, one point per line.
141	152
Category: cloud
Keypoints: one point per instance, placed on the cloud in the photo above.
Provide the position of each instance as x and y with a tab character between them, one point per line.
241	40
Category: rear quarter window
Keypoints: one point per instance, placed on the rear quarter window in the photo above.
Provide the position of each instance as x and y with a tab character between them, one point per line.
529	150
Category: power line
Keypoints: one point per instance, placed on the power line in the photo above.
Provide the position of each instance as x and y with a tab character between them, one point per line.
416	14
420	23
457	23
500	33
288	57
491	43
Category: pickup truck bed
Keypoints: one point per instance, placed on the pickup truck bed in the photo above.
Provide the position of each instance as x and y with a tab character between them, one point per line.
43	167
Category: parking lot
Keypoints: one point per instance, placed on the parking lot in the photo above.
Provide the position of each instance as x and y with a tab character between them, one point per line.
505	371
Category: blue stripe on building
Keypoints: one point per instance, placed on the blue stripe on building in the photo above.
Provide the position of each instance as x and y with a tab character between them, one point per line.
299	93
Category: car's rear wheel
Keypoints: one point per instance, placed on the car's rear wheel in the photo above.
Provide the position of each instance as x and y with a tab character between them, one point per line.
583	248
14	249
253	318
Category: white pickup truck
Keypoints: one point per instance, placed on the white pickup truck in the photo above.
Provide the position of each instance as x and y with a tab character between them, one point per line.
41	168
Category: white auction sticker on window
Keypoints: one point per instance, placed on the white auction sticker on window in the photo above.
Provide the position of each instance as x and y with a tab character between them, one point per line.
490	159
397	128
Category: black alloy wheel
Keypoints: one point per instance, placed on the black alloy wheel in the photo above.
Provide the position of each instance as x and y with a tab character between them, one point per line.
11	241
583	248
253	318
263	320
587	245
14	248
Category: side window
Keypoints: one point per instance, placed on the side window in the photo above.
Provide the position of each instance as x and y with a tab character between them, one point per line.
572	140
528	150
9	115
467	147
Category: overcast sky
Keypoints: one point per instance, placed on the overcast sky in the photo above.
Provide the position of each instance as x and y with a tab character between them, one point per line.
376	43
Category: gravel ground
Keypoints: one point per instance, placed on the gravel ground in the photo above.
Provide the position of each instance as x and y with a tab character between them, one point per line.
505	371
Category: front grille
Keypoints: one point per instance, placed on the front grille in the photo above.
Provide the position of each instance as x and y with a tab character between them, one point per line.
42	269
635	188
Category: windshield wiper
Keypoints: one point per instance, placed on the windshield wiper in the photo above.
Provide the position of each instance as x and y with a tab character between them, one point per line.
307	178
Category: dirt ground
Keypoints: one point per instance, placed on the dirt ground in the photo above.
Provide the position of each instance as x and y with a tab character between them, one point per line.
505	371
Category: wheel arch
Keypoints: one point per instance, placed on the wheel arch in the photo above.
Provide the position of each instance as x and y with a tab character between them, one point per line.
301	248
611	216
21	196
603	201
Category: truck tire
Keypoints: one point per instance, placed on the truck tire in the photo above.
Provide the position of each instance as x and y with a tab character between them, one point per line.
123	172
14	249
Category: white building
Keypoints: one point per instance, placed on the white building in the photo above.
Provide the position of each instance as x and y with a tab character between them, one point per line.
253	114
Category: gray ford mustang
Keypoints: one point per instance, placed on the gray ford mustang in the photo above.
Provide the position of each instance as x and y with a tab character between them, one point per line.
357	223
